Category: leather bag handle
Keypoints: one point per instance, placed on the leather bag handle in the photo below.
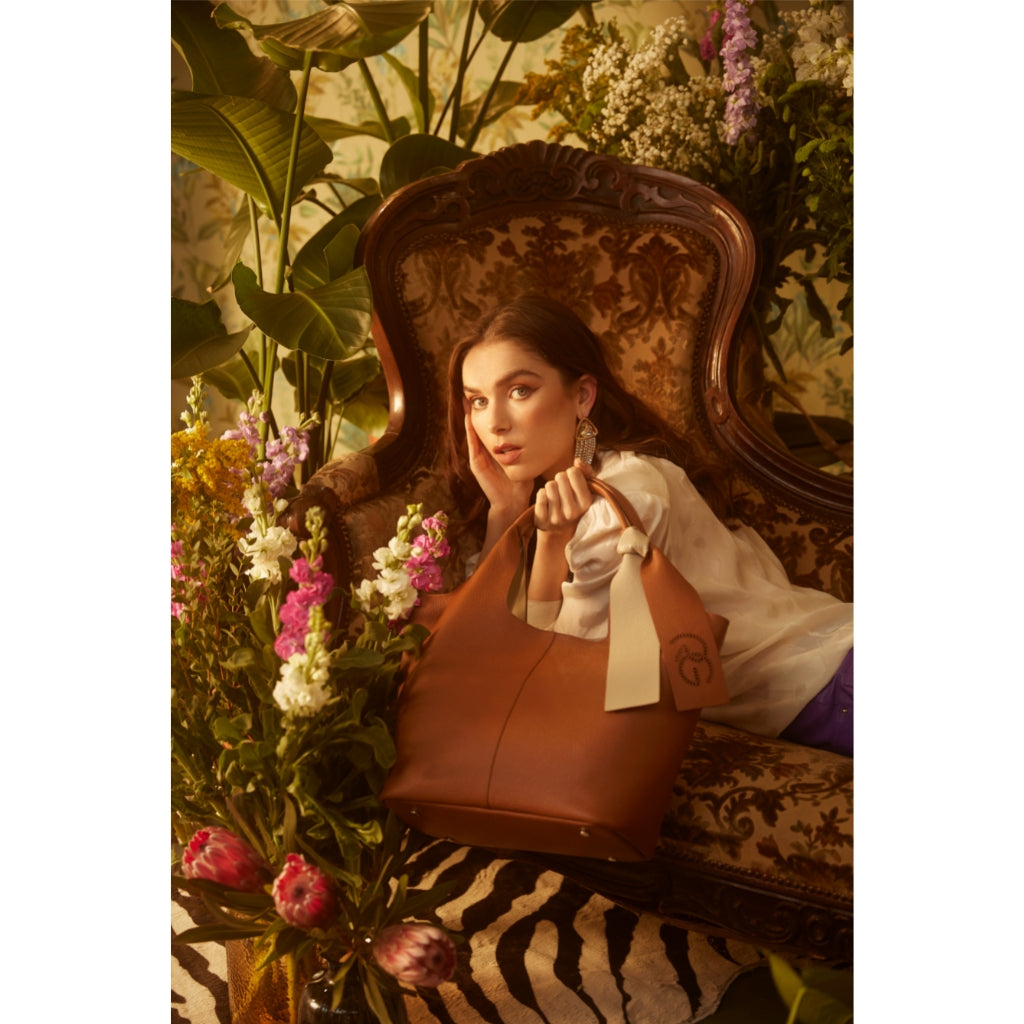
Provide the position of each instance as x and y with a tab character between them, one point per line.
634	647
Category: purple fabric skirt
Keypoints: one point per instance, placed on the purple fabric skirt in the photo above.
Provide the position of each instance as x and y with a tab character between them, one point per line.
827	721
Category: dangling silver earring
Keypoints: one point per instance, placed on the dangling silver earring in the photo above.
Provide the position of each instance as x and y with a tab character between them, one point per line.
586	440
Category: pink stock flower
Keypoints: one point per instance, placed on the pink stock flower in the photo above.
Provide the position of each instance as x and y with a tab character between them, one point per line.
314	589
707	46
303	894
424	573
415	954
218	855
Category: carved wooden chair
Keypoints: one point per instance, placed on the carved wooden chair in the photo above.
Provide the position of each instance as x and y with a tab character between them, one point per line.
758	841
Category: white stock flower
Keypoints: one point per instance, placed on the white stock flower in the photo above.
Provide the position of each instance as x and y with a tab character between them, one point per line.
265	550
300	690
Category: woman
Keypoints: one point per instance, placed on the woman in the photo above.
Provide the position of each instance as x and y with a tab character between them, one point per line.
522	385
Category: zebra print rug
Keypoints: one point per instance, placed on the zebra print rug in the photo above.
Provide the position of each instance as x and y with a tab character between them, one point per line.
540	949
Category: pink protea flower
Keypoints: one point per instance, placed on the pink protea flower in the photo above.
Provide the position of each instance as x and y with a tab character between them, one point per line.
303	894
415	954
218	855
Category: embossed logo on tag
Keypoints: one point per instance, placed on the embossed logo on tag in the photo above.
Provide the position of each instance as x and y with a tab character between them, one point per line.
690	654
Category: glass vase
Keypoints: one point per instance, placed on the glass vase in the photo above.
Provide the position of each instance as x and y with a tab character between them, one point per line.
261	995
316	998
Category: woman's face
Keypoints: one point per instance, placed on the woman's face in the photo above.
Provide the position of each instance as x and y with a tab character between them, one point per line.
521	409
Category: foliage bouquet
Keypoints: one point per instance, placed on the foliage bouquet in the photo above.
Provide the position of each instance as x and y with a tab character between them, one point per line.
282	739
764	115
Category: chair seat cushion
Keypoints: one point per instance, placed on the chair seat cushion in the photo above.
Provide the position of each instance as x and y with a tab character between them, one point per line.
764	810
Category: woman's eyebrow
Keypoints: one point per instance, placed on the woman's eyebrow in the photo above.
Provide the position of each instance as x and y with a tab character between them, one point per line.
501	382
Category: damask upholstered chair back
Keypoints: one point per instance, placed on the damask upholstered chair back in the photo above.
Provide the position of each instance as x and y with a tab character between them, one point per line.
659	267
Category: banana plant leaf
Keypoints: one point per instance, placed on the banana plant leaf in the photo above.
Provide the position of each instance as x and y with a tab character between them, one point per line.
330	322
222	64
199	340
504	98
527	21
247	143
235	382
348	376
234	242
330	130
329	253
411	83
336	36
418	156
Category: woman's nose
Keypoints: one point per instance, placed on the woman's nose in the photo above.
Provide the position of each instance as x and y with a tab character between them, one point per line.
497	419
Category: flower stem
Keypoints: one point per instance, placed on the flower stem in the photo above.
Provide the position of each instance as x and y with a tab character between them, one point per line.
282	250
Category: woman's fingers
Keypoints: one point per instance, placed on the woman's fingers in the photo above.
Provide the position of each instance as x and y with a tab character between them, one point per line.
563	500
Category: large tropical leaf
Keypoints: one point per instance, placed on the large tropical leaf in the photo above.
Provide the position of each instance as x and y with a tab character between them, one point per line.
329	253
348	376
234	242
199	340
336	36
526	20
247	143
235	382
330	130
221	61
411	82
330	322
504	98
417	156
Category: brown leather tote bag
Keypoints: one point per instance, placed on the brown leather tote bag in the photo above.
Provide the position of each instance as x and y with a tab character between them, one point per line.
503	734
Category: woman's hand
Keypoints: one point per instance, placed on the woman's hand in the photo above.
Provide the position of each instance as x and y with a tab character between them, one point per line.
505	496
562	501
559	505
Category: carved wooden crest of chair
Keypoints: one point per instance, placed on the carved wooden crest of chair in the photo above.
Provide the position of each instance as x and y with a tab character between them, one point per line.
661	269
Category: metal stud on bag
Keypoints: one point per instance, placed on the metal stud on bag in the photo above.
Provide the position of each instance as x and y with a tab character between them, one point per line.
586	440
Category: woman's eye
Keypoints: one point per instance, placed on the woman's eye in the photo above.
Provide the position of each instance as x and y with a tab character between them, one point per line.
478	402
521	391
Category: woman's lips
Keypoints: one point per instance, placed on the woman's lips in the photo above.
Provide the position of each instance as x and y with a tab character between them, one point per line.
507	454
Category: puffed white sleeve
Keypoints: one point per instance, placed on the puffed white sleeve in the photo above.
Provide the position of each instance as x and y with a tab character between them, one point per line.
593	561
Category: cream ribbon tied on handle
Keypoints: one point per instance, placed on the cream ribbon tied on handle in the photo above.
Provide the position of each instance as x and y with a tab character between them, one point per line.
634	650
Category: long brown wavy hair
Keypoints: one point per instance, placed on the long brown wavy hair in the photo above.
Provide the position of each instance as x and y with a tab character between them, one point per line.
557	335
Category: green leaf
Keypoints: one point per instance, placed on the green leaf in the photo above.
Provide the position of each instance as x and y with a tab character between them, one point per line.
222	63
241	659
323	258
199	340
417	156
787	979
813	1005
368	410
503	100
337	36
247	143
331	131
228	731
352	375
348	376
232	379
411	82
330	322
238	232
527	21
801	155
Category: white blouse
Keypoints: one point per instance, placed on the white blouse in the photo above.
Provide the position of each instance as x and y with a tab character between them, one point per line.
784	642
